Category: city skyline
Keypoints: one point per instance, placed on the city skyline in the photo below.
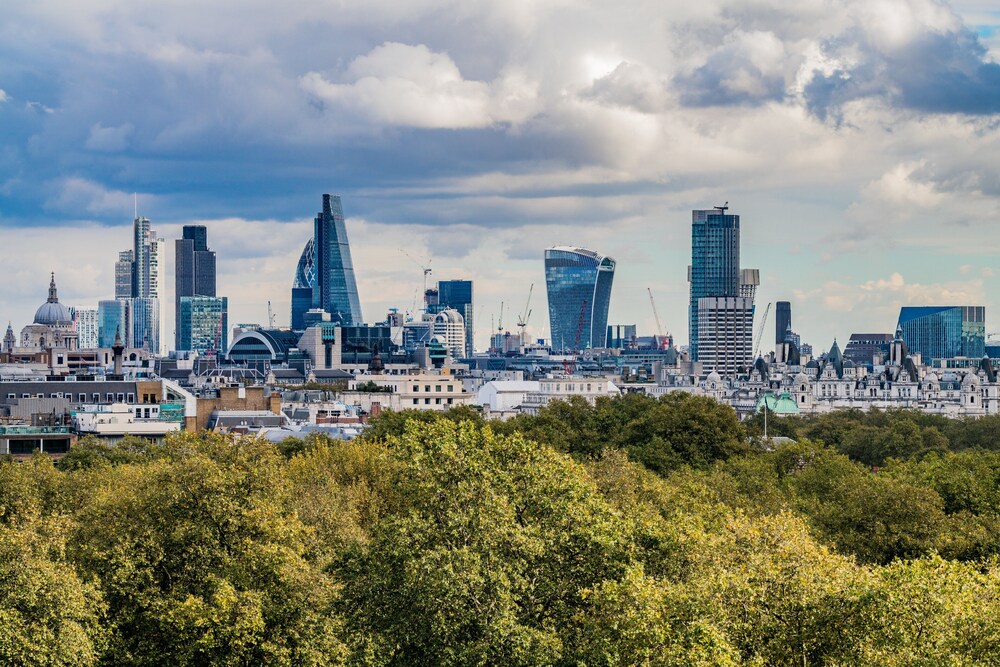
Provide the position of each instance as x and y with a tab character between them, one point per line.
855	141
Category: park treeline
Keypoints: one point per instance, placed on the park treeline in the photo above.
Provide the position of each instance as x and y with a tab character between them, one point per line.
633	532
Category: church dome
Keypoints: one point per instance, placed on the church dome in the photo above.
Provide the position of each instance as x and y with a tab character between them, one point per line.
52	312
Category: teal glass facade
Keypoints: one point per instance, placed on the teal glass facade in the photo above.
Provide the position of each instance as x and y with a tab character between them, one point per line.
944	332
715	263
204	324
578	282
112	318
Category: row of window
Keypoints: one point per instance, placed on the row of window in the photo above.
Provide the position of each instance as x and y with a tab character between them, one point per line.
437	401
437	387
96	398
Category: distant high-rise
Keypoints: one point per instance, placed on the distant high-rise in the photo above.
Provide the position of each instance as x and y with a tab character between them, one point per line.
457	294
782	320
336	289
715	263
143	296
943	332
578	282
194	276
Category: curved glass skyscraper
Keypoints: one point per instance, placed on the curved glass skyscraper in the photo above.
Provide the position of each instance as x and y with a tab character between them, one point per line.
578	282
302	287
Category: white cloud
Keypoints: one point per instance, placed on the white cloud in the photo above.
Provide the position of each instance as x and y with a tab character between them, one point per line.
400	84
3	96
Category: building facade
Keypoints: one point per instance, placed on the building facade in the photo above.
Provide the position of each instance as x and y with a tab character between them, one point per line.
87	327
578	283
725	333
942	332
336	290
204	324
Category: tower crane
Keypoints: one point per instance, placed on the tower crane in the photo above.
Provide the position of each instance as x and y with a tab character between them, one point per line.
426	268
522	319
760	331
659	327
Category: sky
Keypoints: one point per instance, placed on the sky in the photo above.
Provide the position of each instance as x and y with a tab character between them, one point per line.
857	140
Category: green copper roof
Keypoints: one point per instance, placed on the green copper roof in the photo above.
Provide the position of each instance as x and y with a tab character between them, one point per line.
783	404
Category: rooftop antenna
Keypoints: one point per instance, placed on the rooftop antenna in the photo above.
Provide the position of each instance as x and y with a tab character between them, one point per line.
723	208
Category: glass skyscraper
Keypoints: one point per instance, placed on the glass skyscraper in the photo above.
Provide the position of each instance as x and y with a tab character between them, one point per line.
943	332
457	294
578	282
336	289
715	262
782	320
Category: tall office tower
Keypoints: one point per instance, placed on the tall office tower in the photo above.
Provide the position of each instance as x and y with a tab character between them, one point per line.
194	276
336	289
204	324
782	320
86	322
303	286
578	282
715	264
943	332
123	274
144	293
458	294
725	333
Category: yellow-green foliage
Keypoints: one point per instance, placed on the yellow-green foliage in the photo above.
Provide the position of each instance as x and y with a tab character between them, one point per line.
447	541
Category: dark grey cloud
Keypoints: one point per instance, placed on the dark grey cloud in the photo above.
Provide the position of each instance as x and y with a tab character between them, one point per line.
934	73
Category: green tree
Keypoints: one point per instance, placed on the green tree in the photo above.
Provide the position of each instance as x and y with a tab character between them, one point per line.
203	563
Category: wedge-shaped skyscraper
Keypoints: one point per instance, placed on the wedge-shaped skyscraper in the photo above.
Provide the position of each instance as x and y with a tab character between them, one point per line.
336	289
578	282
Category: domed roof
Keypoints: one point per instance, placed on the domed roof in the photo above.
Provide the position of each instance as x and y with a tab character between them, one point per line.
714	377
848	363
52	312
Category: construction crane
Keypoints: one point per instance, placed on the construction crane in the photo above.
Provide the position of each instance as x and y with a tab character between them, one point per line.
270	315
659	327
522	319
760	330
426	268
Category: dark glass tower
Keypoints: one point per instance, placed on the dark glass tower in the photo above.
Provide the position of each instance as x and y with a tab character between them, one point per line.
715	262
194	275
578	282
457	294
336	289
782	320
